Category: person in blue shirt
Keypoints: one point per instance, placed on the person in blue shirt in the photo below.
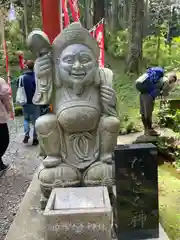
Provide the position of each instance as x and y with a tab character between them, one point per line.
152	84
30	111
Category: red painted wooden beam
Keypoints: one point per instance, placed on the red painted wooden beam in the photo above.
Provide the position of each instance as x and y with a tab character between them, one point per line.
51	17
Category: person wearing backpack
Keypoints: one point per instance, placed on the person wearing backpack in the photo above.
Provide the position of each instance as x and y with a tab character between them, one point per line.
152	84
31	112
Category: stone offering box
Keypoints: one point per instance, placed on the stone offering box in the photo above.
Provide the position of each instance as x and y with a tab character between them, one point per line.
78	213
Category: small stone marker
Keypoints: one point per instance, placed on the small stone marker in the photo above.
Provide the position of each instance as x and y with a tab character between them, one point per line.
79	213
137	191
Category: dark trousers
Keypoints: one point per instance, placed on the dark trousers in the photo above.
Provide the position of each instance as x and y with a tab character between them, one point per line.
4	141
146	109
31	113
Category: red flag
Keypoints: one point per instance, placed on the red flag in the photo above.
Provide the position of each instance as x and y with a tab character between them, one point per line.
74	10
65	11
21	61
100	40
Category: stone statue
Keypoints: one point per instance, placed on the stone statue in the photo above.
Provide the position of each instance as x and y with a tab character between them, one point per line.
78	138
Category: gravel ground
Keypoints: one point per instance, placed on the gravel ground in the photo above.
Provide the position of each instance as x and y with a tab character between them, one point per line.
23	162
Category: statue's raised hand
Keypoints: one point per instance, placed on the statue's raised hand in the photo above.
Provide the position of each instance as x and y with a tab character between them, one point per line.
108	96
43	65
44	79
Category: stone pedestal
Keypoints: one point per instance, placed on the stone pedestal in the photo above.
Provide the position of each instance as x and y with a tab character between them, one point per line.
30	224
78	213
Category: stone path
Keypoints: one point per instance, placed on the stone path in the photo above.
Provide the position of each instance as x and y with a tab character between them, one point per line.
139	137
128	139
13	185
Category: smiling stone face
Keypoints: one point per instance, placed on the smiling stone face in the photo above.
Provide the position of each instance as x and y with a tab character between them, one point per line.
77	64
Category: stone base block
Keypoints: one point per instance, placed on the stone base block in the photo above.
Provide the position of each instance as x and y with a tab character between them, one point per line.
78	213
29	223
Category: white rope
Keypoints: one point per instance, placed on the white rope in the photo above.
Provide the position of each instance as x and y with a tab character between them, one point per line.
94	27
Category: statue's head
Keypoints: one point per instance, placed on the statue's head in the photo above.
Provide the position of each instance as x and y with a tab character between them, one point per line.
76	56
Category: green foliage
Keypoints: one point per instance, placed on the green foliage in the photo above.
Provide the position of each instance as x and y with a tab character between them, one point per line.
169	118
18	111
15	42
127	98
117	44
177	164
171	148
169	186
156	52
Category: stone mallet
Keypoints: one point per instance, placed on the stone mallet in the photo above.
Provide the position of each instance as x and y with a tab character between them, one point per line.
39	44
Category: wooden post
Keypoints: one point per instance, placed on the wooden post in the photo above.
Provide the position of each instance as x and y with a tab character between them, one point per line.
51	17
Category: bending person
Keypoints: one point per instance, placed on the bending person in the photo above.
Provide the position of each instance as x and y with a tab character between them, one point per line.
152	84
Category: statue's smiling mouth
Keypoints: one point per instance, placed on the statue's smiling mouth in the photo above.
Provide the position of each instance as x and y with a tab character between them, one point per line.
78	75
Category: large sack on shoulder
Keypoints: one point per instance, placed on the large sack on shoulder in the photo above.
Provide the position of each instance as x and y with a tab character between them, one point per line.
143	84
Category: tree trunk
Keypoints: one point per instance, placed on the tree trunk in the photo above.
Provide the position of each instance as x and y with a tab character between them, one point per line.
126	12
115	20
88	21
136	36
26	18
99	11
30	15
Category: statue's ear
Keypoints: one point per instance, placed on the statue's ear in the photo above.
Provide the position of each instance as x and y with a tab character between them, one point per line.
106	76
39	43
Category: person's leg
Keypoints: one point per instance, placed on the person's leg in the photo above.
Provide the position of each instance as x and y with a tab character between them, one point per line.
142	113
26	123
4	142
149	108
36	112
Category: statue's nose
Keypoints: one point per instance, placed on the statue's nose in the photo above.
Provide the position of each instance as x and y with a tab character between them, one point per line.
77	65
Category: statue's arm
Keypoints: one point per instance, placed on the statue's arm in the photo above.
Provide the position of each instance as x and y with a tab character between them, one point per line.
39	43
44	80
108	94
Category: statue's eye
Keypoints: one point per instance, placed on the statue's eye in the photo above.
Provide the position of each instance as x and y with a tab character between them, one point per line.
68	59
85	60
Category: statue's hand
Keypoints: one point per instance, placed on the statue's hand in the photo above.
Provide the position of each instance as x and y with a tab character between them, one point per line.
108	95
43	65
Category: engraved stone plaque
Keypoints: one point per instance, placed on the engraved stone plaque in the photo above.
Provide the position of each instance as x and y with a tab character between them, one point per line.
137	191
78	213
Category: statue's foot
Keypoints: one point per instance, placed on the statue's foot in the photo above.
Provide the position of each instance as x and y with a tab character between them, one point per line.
99	174
60	176
51	161
106	158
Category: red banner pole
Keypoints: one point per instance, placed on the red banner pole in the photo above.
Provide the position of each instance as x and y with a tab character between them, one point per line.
52	20
51	17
